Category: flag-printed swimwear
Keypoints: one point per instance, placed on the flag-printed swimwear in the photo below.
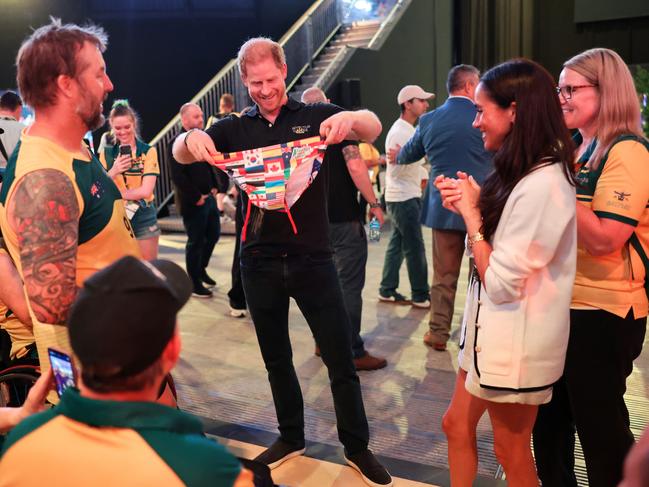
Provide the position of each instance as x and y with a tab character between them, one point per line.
274	177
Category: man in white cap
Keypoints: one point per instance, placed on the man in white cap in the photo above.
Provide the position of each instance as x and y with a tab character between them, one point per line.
403	198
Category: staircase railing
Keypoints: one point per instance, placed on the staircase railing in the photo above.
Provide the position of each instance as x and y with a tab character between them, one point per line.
301	43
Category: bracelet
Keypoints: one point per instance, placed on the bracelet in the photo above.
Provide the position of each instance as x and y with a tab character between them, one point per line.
475	238
375	205
186	136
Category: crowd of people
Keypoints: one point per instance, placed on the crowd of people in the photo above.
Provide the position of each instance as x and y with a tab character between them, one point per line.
555	227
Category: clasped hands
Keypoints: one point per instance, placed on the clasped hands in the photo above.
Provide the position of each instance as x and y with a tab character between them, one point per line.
459	195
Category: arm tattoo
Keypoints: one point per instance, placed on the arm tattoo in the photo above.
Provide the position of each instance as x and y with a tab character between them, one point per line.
46	221
351	152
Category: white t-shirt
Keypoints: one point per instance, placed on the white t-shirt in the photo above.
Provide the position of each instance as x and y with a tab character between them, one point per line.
10	137
402	181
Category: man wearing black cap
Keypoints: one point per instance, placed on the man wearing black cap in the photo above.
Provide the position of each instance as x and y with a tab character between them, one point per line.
110	430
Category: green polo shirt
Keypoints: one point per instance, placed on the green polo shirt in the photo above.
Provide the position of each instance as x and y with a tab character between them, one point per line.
83	442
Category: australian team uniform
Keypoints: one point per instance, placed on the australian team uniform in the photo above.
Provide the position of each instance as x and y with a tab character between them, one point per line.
105	233
145	163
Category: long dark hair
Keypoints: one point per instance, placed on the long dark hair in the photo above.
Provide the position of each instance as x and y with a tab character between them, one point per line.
538	136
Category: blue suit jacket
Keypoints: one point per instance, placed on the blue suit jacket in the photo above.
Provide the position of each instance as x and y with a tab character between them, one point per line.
451	144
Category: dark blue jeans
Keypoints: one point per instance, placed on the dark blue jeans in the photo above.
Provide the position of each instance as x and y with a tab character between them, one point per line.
406	242
349	242
203	227
312	281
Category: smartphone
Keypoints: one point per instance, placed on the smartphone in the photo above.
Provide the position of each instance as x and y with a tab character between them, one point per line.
63	370
125	150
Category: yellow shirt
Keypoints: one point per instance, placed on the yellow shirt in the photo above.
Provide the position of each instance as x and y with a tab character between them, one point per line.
21	335
105	233
370	153
618	190
145	163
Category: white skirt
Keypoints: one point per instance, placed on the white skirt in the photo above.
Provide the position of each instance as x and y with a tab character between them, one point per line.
466	357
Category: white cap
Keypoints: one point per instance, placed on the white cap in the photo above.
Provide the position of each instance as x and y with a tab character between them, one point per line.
409	92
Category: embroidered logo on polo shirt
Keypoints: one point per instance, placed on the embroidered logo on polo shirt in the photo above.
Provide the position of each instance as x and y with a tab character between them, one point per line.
301	129
621	195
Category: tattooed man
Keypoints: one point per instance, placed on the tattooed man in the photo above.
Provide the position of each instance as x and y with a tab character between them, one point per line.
347	177
61	215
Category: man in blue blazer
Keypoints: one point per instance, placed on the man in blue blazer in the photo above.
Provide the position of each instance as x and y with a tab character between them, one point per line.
446	136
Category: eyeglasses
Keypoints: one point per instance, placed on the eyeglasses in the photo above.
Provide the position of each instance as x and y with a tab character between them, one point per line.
568	90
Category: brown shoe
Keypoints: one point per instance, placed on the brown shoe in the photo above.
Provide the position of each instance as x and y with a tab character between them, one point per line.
428	340
369	362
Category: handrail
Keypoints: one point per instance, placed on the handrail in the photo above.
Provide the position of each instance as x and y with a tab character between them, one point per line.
388	24
299	22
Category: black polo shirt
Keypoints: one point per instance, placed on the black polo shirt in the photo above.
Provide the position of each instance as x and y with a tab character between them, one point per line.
191	181
343	194
270	233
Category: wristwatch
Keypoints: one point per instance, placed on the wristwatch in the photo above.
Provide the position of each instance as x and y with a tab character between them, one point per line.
375	205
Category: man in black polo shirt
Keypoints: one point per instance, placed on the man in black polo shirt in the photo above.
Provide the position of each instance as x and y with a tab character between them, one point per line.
196	187
347	176
277	263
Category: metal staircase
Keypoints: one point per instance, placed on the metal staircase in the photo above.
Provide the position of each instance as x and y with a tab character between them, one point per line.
322	70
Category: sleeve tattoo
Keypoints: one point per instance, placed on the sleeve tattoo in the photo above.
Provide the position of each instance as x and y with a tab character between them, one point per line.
351	152
46	221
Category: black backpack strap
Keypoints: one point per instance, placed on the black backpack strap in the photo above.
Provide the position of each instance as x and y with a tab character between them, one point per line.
2	148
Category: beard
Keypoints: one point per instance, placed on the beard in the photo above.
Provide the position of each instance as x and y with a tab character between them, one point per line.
91	115
89	110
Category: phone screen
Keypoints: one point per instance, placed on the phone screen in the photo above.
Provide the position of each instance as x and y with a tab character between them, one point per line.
63	370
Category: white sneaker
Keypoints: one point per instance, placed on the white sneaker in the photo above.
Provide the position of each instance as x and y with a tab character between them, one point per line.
422	304
237	313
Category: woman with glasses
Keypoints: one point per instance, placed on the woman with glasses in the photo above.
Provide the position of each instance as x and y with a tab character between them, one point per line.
521	229
609	304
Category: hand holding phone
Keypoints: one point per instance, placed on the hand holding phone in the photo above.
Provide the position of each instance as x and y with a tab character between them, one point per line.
63	370
125	150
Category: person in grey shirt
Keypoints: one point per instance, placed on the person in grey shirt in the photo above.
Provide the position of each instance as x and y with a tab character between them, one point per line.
446	137
11	106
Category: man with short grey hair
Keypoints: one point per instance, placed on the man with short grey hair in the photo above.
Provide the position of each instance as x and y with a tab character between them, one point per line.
446	136
347	176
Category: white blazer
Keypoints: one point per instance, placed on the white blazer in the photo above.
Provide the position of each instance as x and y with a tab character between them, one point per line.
516	324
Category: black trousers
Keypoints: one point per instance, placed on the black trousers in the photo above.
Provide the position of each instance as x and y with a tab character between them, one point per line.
203	228
589	398
312	281
236	294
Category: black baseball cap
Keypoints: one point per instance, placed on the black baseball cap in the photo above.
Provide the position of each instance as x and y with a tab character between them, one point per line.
125	314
